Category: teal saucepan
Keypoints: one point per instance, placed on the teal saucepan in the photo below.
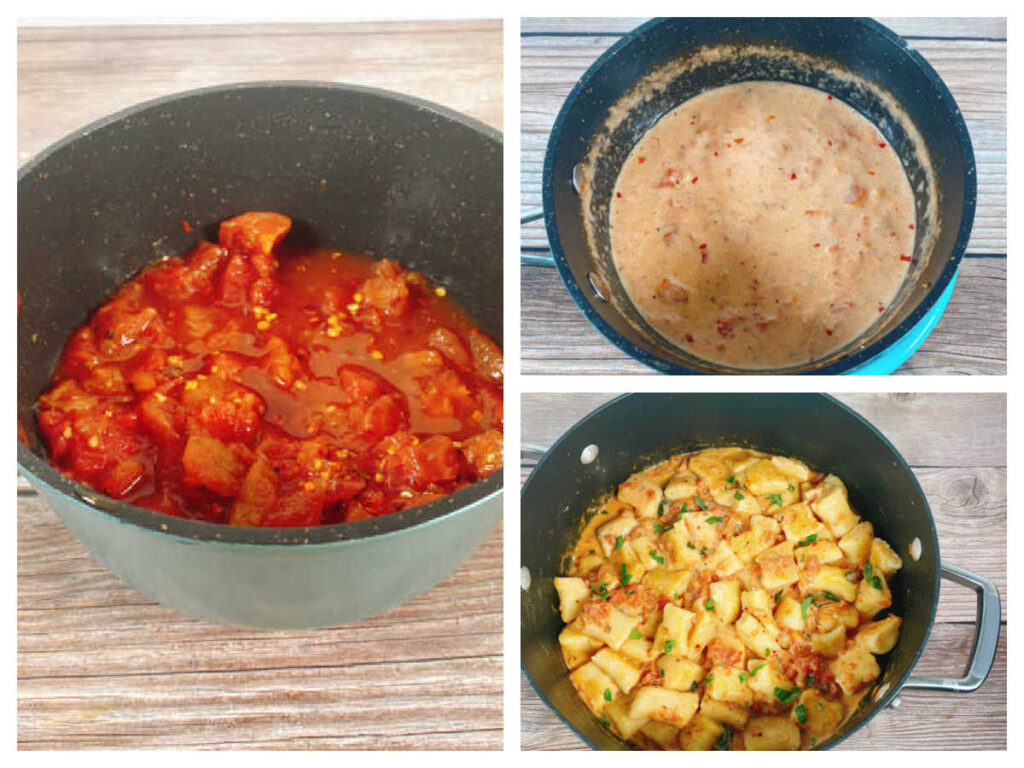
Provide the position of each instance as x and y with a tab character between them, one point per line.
360	168
636	430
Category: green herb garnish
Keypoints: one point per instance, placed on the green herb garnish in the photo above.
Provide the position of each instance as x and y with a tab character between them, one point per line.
724	742
830	596
607	694
713	520
756	669
656	557
661	673
744	676
669	645
778	596
804	542
624	575
738	495
600	590
635	635
709	605
801	714
785	696
731	479
703	551
618	544
690	545
699	502
804	605
775	499
870	577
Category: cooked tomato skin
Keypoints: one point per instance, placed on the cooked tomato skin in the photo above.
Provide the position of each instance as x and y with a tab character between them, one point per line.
253	384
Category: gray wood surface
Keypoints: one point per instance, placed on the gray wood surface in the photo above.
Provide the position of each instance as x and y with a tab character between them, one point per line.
100	665
970	56
956	445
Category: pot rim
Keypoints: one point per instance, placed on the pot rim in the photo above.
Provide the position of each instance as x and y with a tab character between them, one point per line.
43	475
894	688
847	362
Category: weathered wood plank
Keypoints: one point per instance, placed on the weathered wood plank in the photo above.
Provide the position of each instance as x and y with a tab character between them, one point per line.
908	27
974	71
68	77
969	339
924	720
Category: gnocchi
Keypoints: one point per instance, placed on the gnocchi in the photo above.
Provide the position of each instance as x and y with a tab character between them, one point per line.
727	599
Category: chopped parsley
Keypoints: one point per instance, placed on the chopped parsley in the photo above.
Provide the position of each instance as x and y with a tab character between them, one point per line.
709	605
804	605
810	679
605	722
731	479
669	645
618	544
810	539
607	694
738	495
724	742
785	696
661	673
792	488
694	686
778	596
708	679
635	635
699	502
600	590
690	545
684	507
703	551
801	714
830	596
713	520
661	507
775	499
819	706
744	676
656	557
659	528
870	577
624	576
756	669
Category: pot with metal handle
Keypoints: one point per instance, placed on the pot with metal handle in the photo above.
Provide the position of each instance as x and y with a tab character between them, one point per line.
633	431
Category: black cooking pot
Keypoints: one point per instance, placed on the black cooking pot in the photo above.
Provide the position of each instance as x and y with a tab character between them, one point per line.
861	47
355	168
635	430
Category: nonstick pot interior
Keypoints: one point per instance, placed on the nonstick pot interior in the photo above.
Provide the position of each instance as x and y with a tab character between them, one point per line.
861	47
636	430
356	169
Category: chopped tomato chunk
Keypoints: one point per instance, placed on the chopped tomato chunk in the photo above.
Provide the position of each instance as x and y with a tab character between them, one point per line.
254	384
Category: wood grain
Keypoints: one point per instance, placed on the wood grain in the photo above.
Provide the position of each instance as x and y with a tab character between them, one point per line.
101	666
970	56
935	433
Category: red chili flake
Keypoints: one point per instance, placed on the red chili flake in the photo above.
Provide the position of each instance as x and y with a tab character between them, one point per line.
904	257
881	144
830	143
770	118
892	234
186	226
871	173
640	158
911	226
703	245
618	194
724	328
692	122
828	331
703	257
693	180
881	309
817	245
830	97
792	176
716	154
738	141
689	338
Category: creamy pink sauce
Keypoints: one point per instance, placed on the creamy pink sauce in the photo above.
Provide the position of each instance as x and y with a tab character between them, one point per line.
762	225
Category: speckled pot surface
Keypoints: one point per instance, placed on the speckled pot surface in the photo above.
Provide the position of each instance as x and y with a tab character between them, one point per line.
355	168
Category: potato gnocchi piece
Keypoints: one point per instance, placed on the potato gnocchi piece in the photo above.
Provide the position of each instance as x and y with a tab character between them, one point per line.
682	617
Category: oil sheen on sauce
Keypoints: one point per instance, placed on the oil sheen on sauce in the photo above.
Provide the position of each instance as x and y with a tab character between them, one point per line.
762	225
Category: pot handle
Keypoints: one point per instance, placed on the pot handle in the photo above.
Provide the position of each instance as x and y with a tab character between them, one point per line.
986	636
534	258
532	451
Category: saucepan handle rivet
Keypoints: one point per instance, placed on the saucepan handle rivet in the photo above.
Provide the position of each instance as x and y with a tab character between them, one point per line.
524	578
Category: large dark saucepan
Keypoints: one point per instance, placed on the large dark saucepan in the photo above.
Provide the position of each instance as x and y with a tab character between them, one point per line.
635	430
355	168
859	47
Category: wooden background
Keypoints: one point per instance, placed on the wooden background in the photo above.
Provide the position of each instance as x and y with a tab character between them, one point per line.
969	55
956	445
101	666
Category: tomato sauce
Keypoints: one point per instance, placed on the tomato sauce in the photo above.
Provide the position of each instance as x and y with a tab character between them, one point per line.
258	384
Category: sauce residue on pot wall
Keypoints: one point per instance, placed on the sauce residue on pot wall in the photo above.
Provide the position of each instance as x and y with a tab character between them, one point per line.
762	225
